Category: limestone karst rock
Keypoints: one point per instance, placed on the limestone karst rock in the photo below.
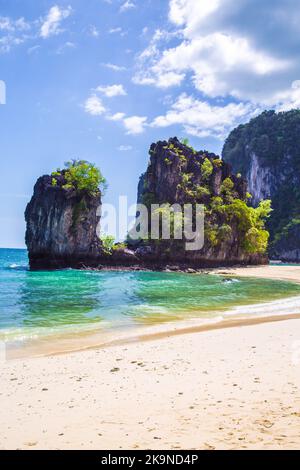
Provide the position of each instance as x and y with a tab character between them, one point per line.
61	226
266	151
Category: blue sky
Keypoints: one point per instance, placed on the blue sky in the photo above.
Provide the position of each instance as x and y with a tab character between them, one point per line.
101	80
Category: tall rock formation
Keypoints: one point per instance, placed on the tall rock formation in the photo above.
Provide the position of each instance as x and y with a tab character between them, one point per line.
62	225
266	151
63	216
178	174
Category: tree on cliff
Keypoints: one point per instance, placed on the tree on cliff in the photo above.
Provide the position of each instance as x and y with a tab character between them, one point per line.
80	175
266	151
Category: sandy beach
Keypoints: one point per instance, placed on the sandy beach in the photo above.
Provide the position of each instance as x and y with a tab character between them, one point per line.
285	273
226	388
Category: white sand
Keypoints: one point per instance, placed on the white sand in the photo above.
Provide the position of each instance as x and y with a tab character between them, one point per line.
227	389
231	388
287	273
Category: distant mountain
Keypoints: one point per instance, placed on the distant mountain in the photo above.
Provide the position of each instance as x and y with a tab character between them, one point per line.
266	151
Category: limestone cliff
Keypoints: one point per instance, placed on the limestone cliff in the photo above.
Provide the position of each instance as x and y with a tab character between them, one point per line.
179	174
61	225
63	216
266	151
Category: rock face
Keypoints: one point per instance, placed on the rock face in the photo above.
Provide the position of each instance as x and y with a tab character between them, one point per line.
63	223
177	174
266	151
287	247
61	226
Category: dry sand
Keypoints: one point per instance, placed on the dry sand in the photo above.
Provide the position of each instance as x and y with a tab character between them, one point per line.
286	273
231	388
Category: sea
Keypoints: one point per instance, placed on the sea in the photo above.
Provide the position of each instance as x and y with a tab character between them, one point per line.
42	307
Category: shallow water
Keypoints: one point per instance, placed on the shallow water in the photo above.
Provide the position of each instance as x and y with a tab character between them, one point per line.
38	305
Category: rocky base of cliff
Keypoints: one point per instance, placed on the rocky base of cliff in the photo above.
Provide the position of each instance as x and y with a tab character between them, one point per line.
133	260
287	248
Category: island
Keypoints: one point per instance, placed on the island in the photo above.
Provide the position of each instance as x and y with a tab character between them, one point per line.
64	221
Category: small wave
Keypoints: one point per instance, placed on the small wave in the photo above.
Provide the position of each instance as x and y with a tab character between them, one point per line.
285	306
25	334
231	281
151	308
17	267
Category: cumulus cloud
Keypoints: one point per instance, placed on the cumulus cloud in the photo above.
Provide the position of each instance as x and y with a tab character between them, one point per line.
135	124
94	106
116	117
290	98
112	90
201	119
52	23
149	71
238	50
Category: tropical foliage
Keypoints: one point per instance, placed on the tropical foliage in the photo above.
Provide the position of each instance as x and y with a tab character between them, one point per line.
81	176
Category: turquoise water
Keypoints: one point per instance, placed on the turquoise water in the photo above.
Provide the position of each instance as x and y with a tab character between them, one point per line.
42	303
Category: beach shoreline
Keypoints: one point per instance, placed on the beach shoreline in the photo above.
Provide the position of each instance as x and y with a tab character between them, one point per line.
233	388
267	312
218	386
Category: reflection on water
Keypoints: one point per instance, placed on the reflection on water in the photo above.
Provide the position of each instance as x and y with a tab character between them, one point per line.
31	301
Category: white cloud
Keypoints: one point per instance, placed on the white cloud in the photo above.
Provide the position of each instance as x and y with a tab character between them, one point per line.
51	25
192	12
7	42
94	106
154	74
115	30
125	148
112	90
93	31
215	60
33	49
67	45
224	48
116	117
128	5
135	124
161	80
289	99
10	25
199	118
114	67
15	32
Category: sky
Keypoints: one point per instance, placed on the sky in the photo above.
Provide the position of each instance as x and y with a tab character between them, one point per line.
101	80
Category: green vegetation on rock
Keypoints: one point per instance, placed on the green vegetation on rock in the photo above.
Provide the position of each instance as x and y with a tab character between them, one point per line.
81	176
267	152
108	243
204	178
207	169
